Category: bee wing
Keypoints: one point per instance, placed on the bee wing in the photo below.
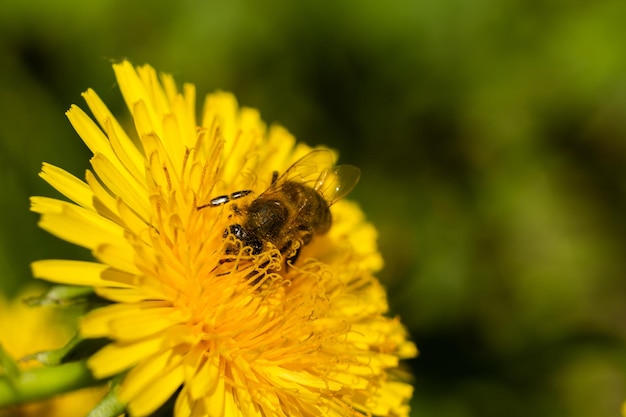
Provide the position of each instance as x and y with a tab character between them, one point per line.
336	182
306	169
316	170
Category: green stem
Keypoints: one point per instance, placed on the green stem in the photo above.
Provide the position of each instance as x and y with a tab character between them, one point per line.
110	405
41	383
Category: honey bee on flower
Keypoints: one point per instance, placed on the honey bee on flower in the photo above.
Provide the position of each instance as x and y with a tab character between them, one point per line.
294	209
182	322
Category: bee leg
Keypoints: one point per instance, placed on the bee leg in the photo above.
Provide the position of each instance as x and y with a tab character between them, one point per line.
255	277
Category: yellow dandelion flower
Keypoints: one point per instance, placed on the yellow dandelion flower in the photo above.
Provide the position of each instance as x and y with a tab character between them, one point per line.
237	307
25	330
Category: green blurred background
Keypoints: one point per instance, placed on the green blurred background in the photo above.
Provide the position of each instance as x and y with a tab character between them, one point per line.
492	139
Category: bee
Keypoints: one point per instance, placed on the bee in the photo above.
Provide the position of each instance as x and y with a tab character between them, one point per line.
294	208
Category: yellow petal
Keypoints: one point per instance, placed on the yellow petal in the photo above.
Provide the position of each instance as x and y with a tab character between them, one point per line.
151	369
182	407
69	272
214	400
298	379
156	94
97	323
68	185
156	393
183	108
131	220
117	357
134	91
122	184
122	145
171	139
89	132
145	323
75	224
120	256
205	379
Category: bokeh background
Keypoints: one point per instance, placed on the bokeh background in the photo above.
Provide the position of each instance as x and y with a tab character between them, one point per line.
492	139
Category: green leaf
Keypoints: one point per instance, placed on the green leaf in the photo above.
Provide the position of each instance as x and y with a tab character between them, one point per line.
42	383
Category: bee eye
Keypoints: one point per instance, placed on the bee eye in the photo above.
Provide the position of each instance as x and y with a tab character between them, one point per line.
240	233
237	231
